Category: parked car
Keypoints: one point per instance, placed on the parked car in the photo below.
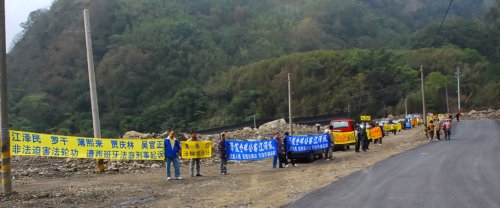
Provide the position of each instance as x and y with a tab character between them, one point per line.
309	156
343	125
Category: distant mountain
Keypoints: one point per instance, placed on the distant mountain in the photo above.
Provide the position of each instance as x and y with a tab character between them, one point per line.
207	63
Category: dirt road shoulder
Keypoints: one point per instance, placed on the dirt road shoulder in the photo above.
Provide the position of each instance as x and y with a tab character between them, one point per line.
249	184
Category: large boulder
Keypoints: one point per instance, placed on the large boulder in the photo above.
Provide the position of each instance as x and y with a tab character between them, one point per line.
472	112
134	135
273	125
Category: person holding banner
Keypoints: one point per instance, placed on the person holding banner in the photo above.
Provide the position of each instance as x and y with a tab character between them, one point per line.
196	161
437	130
288	154
430	130
280	156
172	149
222	153
361	137
329	151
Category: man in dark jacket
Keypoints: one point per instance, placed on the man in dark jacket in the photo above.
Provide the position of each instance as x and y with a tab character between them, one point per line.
172	149
223	154
362	139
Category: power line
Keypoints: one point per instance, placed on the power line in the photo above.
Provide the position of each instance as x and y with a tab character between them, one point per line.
442	22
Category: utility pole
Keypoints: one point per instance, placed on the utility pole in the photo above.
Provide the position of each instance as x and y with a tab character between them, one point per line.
4	116
92	84
348	110
406	109
458	86
423	95
290	104
447	103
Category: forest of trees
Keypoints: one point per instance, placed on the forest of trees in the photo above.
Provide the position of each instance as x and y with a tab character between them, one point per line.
208	63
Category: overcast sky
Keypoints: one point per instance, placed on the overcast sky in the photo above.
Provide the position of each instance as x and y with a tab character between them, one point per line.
17	12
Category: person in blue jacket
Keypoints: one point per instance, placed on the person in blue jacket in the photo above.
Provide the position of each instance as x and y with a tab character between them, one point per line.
172	151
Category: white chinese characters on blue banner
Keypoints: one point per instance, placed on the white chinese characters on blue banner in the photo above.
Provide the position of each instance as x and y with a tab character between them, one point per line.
251	150
303	143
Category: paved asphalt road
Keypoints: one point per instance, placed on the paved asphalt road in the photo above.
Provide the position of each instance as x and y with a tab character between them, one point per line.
463	172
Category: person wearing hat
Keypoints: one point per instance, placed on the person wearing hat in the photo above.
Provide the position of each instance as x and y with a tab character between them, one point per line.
172	150
196	161
222	153
446	129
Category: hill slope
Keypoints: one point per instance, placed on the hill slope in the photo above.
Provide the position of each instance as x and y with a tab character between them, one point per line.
214	62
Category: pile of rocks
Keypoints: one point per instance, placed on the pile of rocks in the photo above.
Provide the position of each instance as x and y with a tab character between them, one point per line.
482	114
268	130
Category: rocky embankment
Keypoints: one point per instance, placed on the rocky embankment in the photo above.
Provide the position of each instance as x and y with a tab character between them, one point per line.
482	114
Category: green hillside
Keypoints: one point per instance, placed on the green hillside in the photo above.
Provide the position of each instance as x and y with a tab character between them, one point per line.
209	63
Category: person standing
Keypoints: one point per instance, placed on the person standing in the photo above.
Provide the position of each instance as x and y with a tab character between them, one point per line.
361	137
279	145
379	140
328	151
223	154
366	140
447	129
288	154
196	161
172	150
430	130
437	130
458	116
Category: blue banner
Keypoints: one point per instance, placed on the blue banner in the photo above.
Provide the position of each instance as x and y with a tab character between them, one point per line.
255	150
408	125
308	143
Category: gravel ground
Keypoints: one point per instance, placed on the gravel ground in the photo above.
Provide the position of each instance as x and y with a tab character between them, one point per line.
51	182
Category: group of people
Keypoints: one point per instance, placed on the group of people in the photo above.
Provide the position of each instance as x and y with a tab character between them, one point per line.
434	127
173	150
172	153
283	154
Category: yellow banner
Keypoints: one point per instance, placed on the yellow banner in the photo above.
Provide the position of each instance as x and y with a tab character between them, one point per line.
196	149
414	122
375	133
389	127
366	118
392	127
344	137
46	145
398	126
